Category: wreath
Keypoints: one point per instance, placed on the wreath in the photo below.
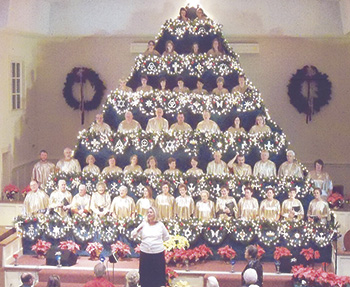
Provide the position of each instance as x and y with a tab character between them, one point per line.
81	75
313	101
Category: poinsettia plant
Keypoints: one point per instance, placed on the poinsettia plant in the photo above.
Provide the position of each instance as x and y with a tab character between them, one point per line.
310	254
176	242
281	252
69	245
41	247
227	253
94	248
25	190
10	191
121	249
261	251
318	277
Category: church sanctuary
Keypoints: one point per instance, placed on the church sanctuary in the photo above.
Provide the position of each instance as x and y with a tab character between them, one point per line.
207	137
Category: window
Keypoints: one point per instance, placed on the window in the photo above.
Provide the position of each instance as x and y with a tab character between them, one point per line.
16	85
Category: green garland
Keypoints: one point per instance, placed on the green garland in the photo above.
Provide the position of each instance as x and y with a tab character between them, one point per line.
86	75
324	89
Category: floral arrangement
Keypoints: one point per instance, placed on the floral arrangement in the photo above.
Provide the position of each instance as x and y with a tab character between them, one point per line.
121	249
25	190
69	245
281	252
310	254
261	251
94	249
10	191
137	249
170	275
180	256
309	276
41	247
227	253
176	242
335	200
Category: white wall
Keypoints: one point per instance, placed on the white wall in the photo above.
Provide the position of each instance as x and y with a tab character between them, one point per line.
141	17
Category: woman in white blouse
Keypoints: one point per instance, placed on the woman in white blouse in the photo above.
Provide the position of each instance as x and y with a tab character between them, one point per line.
152	261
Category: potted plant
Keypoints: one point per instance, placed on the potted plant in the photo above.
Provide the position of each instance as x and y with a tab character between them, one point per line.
69	245
227	253
283	256
10	191
120	249
94	249
41	248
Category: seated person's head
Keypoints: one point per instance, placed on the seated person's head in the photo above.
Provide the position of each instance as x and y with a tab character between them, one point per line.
27	278
132	278
212	282
250	276
99	270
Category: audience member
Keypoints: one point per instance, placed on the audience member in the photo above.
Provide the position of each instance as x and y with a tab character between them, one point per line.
251	254
27	279
99	280
54	281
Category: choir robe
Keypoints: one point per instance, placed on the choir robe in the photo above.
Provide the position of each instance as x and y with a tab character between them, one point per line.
155	171
41	171
184	207
93	169
165	205
290	169
100	203
114	169
264	169
126	127
130	168
270	209
172	171
183	90
217	168
319	207
322	181
288	205
122	207
71	165
239	89
201	92
35	202
194	171
204	210
219	92
233	130
248	209
100	128
258	129
208	126
185	127
144	89
157	125
81	203
56	201
143	204
221	204
242	170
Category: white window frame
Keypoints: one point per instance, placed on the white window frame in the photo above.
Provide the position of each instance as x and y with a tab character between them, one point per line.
16	85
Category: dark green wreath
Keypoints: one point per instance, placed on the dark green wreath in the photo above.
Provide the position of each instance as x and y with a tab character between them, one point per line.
324	89
87	75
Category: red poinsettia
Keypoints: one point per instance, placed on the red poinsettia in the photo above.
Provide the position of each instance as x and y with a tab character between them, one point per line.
280	252
310	254
227	253
121	249
93	247
10	191
261	251
41	247
69	245
25	190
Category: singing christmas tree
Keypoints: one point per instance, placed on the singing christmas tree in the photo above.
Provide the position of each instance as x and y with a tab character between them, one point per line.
188	114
